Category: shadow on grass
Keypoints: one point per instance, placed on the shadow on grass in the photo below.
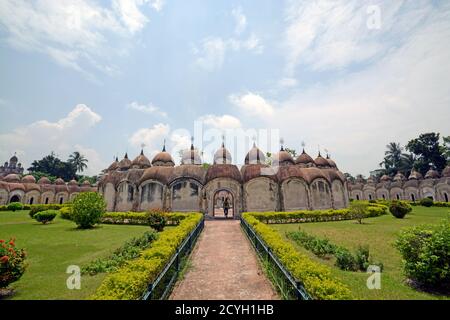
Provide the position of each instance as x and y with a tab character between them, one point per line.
96	227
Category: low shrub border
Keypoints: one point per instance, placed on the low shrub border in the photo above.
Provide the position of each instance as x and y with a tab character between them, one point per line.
139	218
315	278
131	281
373	210
43	206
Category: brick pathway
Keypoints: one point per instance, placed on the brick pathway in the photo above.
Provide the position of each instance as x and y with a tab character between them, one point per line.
224	266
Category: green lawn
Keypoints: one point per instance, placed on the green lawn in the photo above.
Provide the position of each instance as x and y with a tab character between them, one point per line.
379	234
52	248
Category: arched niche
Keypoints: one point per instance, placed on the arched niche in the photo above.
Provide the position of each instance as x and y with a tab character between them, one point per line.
320	194
186	195
295	194
151	195
261	194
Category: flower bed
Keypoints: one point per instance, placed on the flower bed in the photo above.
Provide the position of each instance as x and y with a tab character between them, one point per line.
131	281
316	278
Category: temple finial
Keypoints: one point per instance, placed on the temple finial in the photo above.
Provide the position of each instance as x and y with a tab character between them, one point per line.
164	146
281	144
192	142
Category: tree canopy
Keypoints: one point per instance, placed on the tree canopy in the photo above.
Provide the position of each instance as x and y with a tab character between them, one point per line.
53	167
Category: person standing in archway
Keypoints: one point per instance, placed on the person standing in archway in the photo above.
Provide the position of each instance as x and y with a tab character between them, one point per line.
226	206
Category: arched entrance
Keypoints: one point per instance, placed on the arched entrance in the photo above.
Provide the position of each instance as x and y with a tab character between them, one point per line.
221	197
15	198
446	197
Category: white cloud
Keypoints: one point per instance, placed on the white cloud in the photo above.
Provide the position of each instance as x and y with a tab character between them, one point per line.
75	34
288	82
95	162
38	139
149	108
324	35
213	50
240	19
211	54
223	122
252	104
152	138
396	98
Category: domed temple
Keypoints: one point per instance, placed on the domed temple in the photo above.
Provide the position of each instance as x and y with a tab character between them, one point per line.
289	184
29	191
434	185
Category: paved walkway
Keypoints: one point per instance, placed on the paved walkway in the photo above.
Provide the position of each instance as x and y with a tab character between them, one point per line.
224	266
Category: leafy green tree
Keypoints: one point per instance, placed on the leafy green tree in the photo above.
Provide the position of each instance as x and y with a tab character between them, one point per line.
396	160
349	177
38	175
78	160
428	151
269	158
446	148
51	165
291	151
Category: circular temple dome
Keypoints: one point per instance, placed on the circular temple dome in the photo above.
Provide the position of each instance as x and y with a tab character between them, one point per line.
321	162
73	182
29	179
399	177
141	161
255	156
432	174
13	159
125	163
114	166
222	156
446	171
59	182
283	158
415	175
163	158
191	156
44	180
385	178
331	163
12	177
86	183
304	159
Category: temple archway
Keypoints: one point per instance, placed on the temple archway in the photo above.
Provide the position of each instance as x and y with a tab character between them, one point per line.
219	200
15	198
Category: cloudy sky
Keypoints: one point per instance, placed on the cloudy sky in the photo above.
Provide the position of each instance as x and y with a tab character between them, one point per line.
104	77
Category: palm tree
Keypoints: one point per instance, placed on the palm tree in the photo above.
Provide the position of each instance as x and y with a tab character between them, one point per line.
393	158
79	161
407	163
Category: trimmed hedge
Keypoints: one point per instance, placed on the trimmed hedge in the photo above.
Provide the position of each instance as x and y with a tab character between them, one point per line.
399	209
131	281
315	277
45	216
373	210
15	206
139	218
44	207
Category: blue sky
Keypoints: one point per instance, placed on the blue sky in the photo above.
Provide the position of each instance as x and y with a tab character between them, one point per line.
104	77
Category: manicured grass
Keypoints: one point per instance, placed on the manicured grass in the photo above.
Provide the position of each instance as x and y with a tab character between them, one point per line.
53	247
379	234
